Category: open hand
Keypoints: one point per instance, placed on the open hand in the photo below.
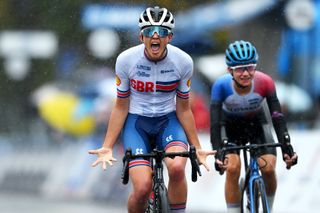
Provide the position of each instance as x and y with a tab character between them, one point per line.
202	157
104	157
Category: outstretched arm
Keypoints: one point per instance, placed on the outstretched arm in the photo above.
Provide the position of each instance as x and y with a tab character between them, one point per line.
116	122
186	119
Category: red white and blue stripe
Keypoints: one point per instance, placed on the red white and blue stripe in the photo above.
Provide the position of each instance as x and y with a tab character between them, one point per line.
176	143
166	86
139	162
184	95
123	94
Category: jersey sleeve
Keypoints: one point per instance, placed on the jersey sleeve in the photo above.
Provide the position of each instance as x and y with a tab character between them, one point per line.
183	89
216	114
217	90
277	116
122	78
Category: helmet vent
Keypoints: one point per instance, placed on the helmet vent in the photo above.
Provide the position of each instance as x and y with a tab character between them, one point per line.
240	53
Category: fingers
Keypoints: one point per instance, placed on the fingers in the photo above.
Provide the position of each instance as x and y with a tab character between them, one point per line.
290	161
219	162
213	152
287	158
205	152
104	165
93	151
111	160
94	164
206	166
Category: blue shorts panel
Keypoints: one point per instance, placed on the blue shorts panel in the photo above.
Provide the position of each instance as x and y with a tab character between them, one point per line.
173	134
141	133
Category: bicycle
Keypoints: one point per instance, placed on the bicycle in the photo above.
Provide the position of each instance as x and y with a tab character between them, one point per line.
160	202
252	183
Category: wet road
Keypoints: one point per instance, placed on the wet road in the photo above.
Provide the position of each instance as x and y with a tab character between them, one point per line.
17	203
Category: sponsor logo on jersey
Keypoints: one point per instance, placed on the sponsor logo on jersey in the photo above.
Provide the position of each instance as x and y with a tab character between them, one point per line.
243	109
254	101
189	83
166	71
118	81
143	67
142	74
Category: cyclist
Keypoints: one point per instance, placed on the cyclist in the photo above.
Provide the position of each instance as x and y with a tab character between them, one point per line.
153	85
237	106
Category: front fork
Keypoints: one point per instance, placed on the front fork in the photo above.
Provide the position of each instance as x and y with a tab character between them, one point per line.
255	176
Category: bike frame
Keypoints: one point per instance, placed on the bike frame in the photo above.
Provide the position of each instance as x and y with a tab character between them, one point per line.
158	181
252	169
157	166
254	175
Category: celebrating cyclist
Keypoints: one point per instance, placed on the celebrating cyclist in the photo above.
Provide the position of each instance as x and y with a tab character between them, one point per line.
152	106
237	106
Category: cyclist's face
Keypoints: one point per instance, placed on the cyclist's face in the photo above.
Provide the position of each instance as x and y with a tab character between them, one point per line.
155	42
243	74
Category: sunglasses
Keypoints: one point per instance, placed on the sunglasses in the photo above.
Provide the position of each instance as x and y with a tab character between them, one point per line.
150	31
241	68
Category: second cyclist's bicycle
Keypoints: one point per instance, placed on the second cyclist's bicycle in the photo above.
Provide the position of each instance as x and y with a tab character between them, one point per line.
160	202
253	184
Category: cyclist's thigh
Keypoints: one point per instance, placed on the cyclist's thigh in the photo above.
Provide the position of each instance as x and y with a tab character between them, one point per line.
133	137
172	136
141	178
233	163
265	136
267	162
137	140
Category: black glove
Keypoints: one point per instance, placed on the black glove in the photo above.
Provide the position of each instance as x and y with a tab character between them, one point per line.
219	156
288	149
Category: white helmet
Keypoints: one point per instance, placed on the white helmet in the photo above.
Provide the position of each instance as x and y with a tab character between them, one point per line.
156	16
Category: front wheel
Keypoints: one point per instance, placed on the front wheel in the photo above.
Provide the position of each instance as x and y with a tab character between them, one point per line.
161	199
260	196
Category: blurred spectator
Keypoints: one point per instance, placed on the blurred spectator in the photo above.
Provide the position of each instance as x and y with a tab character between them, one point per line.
200	111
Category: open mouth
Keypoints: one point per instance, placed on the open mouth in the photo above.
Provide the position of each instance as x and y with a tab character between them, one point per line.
155	46
245	80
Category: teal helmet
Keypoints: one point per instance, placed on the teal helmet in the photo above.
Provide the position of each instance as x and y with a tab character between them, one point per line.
241	53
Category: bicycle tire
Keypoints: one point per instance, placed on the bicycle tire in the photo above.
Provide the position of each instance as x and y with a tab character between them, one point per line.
260	197
162	201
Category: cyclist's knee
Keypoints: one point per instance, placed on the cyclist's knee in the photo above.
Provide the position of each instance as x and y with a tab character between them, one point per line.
176	170
142	184
267	166
142	190
233	172
268	172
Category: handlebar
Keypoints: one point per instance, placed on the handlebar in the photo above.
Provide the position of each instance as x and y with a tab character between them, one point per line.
234	147
286	148
228	147
161	154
